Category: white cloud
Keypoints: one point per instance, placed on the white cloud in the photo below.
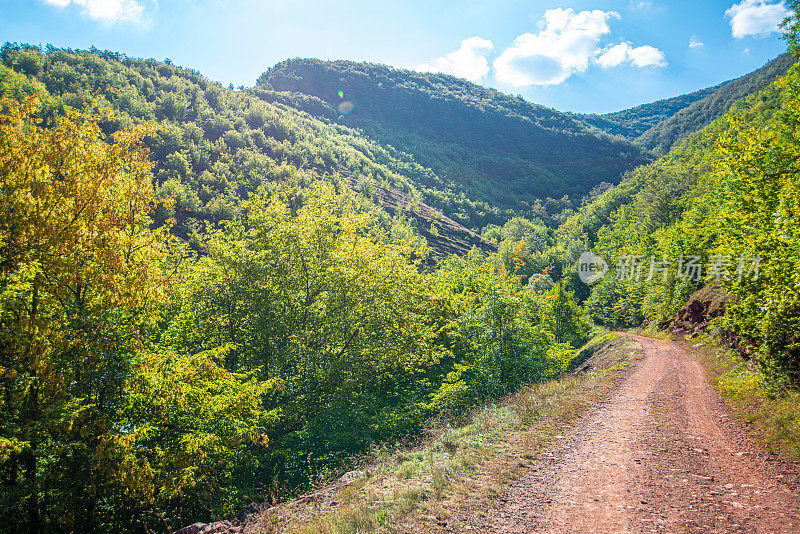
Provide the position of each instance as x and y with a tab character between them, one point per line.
468	62
694	42
106	10
638	56
756	17
567	43
647	56
614	56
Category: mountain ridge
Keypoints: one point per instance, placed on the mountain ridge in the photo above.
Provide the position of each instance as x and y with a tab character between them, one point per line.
496	149
660	125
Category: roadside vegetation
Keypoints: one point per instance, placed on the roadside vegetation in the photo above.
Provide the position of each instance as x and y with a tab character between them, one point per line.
771	413
467	461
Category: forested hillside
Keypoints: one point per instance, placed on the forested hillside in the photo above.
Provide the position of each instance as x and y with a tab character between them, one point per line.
147	385
720	208
497	150
632	123
216	146
661	125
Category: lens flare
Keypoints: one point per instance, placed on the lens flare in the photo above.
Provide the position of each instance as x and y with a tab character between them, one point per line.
341	93
346	107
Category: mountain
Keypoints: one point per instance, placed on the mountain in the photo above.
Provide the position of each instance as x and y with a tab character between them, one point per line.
216	146
634	122
499	151
725	199
660	125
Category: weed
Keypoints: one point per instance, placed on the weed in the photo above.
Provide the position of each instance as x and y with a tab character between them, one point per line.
407	470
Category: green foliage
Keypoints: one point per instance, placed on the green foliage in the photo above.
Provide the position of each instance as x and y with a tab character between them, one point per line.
193	435
661	125
18	86
499	152
82	274
565	319
497	335
311	291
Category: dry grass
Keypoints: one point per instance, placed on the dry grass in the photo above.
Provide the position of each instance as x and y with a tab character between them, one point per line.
428	488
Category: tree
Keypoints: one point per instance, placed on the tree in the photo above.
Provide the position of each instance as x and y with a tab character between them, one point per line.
565	319
81	273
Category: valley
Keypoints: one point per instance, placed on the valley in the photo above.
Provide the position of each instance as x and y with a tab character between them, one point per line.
348	298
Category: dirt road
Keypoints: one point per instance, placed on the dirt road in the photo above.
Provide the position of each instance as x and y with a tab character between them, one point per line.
661	454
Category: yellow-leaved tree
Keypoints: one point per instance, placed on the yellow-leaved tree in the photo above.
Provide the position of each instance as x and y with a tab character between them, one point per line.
81	274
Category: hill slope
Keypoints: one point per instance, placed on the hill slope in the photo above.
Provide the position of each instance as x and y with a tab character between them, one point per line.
497	150
660	125
216	146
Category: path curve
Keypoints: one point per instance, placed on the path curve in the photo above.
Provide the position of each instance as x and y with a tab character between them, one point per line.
660	454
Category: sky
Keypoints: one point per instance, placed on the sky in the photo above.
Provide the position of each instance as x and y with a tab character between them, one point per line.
582	56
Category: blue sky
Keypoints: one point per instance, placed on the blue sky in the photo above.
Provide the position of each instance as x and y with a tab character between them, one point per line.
584	56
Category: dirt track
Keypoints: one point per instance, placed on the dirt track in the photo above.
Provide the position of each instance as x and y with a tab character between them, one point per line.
661	454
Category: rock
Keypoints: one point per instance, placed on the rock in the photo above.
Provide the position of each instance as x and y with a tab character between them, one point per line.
251	510
349	477
221	527
191	529
703	305
696	315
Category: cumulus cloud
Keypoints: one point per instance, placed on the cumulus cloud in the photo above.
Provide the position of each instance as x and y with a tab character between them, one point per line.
567	43
106	10
694	42
614	56
468	62
638	56
647	56
756	17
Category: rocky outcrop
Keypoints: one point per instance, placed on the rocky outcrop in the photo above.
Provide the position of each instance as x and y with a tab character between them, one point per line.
695	316
703	305
219	527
